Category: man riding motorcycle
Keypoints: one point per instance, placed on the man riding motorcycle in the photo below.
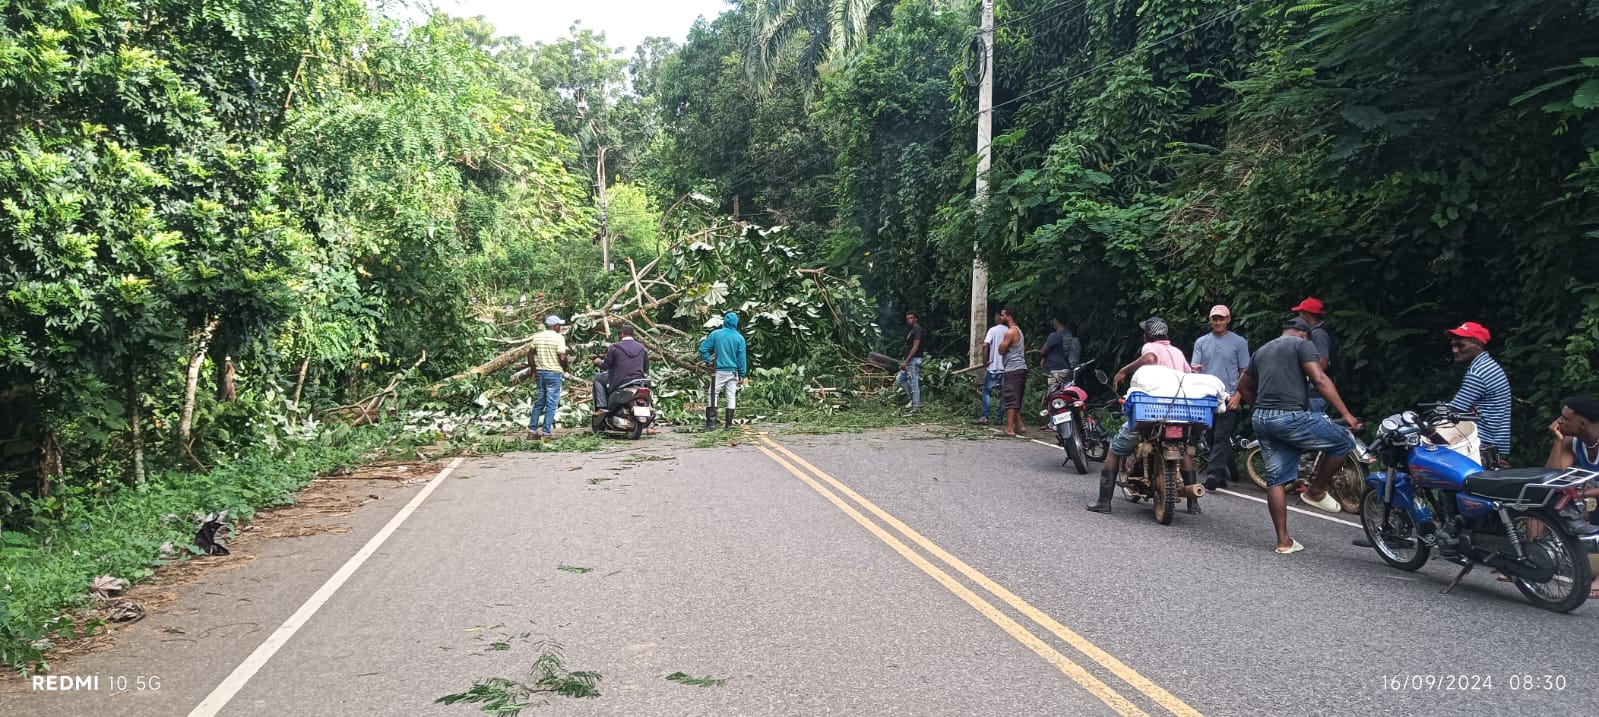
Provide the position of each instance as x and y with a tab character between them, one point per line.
626	360
1157	351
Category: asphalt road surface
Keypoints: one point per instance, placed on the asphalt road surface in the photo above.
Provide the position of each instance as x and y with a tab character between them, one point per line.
928	571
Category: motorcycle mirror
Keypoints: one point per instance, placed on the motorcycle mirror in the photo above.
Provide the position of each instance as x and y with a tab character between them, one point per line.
1100	376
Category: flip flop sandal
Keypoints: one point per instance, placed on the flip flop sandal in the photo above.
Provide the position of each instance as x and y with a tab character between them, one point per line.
1296	547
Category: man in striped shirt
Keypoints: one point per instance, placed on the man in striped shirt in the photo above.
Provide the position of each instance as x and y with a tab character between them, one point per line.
1484	390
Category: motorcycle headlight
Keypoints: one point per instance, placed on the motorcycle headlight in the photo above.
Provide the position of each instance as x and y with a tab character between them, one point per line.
1058	404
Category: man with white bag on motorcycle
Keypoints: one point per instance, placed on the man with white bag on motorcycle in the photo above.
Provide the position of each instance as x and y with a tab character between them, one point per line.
1157	353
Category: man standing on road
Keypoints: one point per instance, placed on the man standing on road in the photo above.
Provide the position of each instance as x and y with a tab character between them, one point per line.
910	370
1485	391
1275	384
1225	355
724	349
1014	362
626	360
1313	311
547	358
1062	353
996	366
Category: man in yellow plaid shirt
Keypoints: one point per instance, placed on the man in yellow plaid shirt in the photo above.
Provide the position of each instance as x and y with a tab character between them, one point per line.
547	358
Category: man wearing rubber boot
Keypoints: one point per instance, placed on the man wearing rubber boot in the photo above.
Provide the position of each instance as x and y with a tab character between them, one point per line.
1285	425
724	349
1157	351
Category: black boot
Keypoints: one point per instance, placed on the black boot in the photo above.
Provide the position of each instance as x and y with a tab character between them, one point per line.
710	418
727	418
1193	503
1107	489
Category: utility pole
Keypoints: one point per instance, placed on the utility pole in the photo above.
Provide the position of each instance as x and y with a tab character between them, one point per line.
985	131
605	231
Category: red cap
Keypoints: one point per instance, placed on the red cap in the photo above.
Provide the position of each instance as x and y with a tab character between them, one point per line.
1471	330
1312	304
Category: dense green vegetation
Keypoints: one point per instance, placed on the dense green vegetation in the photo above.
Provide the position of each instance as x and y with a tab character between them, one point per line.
1413	164
221	221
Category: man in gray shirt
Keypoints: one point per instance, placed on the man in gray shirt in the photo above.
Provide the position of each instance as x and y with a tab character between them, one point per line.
1225	355
1275	384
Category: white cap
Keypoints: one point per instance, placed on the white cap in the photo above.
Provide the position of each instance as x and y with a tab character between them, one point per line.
553	320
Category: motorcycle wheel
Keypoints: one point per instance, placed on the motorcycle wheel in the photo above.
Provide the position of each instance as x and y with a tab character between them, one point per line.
1399	522
1568	589
1255	466
636	431
1074	451
1165	499
1348	484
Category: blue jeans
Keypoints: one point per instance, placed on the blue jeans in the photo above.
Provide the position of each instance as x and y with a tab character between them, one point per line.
1318	404
911	378
991	381
1284	435
1124	442
546	397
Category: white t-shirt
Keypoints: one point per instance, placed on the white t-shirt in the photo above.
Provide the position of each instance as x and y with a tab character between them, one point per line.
994	336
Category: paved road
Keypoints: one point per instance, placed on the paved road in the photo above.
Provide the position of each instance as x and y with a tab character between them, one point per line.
905	572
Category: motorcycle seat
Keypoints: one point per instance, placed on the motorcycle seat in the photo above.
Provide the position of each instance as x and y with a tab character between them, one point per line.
1506	484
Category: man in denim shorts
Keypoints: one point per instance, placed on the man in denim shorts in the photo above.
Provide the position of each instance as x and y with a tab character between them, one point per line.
1157	351
1275	384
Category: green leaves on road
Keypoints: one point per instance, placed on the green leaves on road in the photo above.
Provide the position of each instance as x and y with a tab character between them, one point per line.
575	569
505	696
684	679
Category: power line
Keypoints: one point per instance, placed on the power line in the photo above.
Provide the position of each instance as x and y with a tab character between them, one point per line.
1019	18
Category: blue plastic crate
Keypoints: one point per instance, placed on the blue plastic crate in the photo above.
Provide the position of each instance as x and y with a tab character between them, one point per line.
1144	407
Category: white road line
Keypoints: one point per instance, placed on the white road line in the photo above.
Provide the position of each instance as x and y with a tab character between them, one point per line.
224	692
1313	514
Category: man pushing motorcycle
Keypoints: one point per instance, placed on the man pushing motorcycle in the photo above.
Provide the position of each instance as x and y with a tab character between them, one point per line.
1157	351
1275	384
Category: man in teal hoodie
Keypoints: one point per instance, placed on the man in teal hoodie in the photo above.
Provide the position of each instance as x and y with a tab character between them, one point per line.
728	346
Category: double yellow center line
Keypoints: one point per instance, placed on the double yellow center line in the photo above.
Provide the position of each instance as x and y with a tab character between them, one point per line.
811	475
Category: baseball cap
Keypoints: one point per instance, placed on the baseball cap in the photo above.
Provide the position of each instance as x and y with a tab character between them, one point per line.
1471	330
1297	323
1311	304
1219	310
553	320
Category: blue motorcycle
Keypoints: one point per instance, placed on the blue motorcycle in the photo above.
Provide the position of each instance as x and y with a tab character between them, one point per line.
1525	523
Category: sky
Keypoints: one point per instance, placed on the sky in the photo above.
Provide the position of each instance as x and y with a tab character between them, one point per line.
625	22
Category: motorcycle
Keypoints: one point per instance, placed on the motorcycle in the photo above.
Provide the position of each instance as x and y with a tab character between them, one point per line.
1346	485
1524	523
629	410
1068	416
1167	429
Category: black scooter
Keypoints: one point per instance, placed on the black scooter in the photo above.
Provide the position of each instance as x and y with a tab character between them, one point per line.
630	409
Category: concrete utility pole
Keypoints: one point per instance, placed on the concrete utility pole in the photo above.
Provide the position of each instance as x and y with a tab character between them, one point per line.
985	131
605	228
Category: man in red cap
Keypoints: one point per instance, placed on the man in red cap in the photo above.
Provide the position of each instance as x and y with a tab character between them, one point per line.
1313	311
1484	390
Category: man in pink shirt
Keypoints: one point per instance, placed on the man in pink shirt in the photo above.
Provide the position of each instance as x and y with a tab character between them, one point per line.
1157	351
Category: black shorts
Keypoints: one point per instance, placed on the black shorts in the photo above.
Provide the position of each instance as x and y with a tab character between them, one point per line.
1010	394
